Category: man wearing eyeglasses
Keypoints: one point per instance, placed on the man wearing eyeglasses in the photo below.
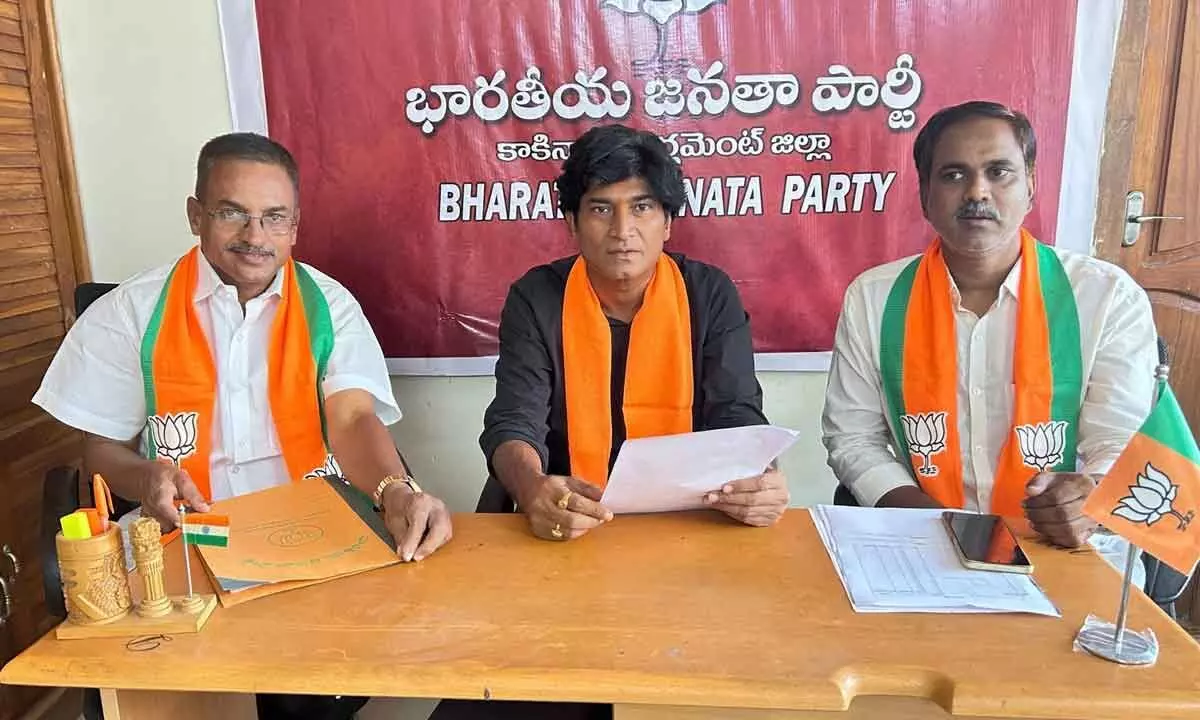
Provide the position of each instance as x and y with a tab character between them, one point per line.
223	362
211	377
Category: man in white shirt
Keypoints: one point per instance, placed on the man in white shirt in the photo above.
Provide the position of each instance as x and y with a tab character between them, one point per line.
992	373
245	213
246	369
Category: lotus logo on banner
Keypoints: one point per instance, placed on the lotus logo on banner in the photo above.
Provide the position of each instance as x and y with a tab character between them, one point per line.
661	12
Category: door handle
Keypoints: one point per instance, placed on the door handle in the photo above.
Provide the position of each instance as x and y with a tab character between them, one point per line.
1134	203
1147	218
7	553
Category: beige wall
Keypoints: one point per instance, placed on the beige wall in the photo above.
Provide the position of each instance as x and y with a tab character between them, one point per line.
145	87
443	417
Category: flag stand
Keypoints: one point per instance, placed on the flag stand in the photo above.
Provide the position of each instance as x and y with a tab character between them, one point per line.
1116	642
156	612
190	603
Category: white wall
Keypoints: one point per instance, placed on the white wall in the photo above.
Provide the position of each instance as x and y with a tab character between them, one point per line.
145	87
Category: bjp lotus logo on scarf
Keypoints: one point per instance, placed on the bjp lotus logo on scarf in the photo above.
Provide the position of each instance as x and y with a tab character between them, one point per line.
661	12
174	435
1151	498
329	469
1042	444
926	436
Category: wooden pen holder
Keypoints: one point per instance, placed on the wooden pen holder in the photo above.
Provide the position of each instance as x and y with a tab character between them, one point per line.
94	581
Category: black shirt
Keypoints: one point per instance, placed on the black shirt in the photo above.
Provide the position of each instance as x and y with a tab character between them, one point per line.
620	358
530	402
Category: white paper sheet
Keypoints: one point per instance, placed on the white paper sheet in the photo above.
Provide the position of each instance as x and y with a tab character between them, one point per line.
898	560
673	472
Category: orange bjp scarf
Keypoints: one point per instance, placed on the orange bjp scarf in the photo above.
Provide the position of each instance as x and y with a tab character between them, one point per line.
658	376
180	376
918	363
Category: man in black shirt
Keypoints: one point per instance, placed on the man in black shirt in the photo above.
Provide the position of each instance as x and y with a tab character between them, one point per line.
620	341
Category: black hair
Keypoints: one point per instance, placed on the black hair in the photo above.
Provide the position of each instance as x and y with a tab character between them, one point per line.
243	146
946	118
612	153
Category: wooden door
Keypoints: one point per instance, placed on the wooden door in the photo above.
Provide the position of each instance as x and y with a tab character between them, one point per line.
1152	146
39	243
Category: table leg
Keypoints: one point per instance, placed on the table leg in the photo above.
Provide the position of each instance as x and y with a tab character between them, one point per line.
156	704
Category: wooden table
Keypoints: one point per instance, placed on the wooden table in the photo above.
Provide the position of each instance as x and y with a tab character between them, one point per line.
687	616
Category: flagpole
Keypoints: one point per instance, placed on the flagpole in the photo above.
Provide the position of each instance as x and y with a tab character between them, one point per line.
190	604
1131	557
1122	645
187	560
1161	371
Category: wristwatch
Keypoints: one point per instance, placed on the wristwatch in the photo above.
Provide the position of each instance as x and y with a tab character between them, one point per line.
390	480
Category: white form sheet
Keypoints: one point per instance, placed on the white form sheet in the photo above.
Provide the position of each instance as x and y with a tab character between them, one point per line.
673	472
901	560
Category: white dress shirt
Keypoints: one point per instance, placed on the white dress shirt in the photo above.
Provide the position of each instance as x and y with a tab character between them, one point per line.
95	383
1119	351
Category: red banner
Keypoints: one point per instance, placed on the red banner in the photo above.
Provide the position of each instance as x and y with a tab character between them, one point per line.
429	133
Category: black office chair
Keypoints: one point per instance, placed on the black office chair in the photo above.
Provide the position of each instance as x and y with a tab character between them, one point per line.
88	293
63	493
1164	584
494	498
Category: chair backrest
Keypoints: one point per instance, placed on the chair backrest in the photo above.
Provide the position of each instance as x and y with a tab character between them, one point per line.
1164	584
88	293
60	496
61	493
494	498
843	496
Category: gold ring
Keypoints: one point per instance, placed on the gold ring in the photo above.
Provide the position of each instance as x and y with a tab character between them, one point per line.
564	501
556	531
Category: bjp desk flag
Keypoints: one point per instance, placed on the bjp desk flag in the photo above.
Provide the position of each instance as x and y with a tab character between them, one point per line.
1152	493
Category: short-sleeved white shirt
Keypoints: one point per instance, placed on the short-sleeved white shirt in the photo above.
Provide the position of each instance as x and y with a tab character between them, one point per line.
95	381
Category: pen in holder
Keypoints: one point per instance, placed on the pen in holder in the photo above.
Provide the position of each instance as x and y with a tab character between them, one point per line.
94	582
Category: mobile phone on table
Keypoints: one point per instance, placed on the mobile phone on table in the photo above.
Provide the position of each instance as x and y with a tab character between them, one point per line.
985	542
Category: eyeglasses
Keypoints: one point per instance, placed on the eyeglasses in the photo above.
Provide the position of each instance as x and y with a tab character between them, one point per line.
231	220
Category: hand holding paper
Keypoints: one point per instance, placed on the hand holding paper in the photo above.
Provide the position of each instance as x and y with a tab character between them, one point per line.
758	501
676	472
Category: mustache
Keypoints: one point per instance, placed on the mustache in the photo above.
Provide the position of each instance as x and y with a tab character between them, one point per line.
248	249
977	209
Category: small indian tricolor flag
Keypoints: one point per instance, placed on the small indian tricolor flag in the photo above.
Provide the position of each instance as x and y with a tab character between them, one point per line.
206	529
